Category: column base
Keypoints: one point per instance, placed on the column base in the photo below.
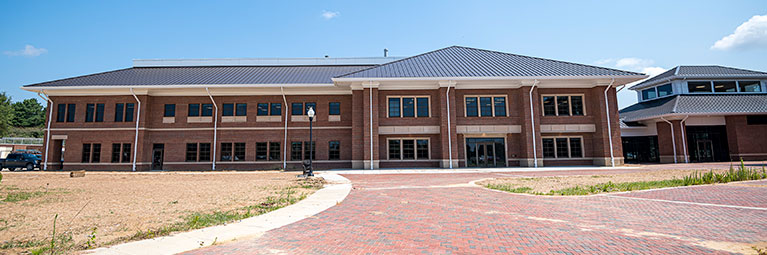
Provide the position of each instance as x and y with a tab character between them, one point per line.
665	159
607	162
364	164
529	162
445	163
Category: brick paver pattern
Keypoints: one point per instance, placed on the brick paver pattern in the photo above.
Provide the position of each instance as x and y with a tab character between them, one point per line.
436	214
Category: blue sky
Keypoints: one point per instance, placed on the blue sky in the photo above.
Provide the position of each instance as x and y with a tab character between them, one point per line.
46	40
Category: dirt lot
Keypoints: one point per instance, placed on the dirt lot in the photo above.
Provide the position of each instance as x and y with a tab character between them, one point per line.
546	184
119	205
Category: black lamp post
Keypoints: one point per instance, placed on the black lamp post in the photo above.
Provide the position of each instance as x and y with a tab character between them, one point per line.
310	113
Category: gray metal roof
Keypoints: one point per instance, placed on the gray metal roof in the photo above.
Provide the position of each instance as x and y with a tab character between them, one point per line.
699	72
458	61
696	104
208	75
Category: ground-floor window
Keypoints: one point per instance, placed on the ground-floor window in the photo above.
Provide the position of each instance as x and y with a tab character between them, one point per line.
562	147
91	153
232	151
334	150
197	152
121	152
640	149
408	148
274	150
299	149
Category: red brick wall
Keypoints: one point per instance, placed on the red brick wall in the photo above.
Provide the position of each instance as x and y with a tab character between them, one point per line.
746	141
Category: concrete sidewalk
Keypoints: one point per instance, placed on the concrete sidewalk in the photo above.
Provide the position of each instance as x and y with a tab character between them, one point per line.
334	192
473	170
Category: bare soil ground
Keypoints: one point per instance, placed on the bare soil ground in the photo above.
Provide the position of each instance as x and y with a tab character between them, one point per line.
118	205
546	184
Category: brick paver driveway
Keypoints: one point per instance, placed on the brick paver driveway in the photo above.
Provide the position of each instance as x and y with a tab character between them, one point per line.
441	213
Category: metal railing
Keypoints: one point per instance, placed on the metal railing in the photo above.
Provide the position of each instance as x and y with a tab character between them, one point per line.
21	140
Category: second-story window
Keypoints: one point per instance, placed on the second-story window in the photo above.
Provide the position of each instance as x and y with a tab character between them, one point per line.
228	110
275	109
61	112
297	108
194	110
170	110
408	106
334	108
94	113
235	109
562	105
124	112
485	106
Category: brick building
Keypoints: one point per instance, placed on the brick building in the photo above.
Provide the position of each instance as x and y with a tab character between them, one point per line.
452	107
697	114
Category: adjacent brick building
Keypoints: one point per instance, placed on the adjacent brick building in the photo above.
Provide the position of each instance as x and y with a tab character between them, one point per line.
697	114
452	107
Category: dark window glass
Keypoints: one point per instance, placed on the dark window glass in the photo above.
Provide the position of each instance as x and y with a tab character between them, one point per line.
500	106
129	112
263	109
549	107
170	110
562	148
423	106
334	150
239	151
750	86
548	148
228	110
665	90
242	110
71	108
698	86
408	149
194	110
394	149
312	150
89	110
725	86
334	108
394	107
126	153
648	94
226	151
296	150
313	106
116	152
99	113
61	112
276	109
575	148
408	107
96	154
274	151
261	151
86	153
422	149
191	152
486	106
471	107
298	109
204	152
207	110
563	105
756	120
577	105
119	111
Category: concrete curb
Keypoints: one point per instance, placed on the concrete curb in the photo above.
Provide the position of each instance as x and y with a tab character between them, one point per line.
475	170
333	193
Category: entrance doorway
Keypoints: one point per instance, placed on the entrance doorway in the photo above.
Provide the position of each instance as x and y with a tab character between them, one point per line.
707	143
485	152
158	153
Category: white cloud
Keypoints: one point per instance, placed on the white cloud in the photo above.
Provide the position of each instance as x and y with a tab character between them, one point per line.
28	51
750	34
329	14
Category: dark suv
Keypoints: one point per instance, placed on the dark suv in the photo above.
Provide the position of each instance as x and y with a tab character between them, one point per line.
21	160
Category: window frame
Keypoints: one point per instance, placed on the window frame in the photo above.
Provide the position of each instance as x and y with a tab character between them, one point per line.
330	108
713	89
415	106
569	102
337	152
479	105
402	148
271	108
172	110
569	148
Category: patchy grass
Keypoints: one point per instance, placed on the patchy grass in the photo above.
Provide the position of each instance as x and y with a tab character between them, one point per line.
17	196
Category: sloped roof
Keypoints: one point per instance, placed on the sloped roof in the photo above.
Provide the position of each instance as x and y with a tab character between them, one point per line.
208	75
700	72
696	104
458	61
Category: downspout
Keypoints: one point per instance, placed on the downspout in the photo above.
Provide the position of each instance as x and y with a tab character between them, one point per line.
138	119
285	143
371	125
684	146
50	116
673	139
215	127
449	135
609	129
532	122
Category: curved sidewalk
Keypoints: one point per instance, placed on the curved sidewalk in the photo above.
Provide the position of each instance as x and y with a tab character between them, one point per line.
333	193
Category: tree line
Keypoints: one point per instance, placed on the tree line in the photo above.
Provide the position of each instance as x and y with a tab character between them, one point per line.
21	119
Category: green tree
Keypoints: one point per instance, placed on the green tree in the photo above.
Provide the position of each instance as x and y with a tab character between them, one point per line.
28	113
6	114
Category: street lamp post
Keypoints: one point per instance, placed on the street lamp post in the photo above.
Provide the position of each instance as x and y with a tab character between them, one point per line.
310	171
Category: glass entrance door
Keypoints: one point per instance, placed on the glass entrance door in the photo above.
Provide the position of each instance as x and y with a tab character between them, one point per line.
705	150
485	152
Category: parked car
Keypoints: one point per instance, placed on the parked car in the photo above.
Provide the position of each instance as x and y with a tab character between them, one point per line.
21	160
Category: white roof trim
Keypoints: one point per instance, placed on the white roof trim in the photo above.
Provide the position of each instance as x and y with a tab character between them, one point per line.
473	78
